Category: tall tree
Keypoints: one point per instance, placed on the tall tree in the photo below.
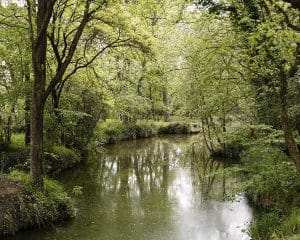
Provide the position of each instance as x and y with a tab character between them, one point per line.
38	31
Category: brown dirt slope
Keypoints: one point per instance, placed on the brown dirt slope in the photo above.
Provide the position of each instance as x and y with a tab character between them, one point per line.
11	198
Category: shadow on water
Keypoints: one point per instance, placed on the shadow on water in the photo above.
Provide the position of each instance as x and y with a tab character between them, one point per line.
157	188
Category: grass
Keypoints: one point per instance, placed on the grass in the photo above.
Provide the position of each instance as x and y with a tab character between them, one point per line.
57	158
33	207
18	140
113	131
271	182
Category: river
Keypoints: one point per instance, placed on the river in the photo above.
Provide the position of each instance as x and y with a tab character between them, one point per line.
152	189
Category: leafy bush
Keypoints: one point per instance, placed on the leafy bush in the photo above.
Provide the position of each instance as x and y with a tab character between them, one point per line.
271	178
17	157
34	207
246	136
291	225
275	225
272	184
18	140
60	158
264	226
57	158
114	131
174	128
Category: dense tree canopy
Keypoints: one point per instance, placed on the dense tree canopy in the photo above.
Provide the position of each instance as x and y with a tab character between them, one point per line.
218	62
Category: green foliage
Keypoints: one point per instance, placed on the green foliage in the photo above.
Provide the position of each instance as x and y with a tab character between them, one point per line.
174	128
263	226
113	131
272	180
39	207
247	136
17	140
17	155
60	158
274	225
272	185
291	224
77	190
57	157
151	60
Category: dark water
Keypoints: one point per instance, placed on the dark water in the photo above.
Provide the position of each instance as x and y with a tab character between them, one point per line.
152	189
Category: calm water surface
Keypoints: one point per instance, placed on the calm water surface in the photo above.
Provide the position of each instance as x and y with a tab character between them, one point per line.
153	189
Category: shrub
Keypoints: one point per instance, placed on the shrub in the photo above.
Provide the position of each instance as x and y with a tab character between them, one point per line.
291	225
35	208
15	156
111	132
264	225
59	158
272	184
246	136
174	128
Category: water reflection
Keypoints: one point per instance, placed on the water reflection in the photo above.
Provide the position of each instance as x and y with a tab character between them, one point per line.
159	188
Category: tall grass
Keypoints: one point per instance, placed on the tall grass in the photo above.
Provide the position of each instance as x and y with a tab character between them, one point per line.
34	207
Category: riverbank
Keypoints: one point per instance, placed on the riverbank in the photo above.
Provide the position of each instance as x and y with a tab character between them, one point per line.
59	158
114	131
23	206
270	180
153	184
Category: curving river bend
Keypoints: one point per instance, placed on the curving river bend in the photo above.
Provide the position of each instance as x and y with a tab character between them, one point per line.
153	189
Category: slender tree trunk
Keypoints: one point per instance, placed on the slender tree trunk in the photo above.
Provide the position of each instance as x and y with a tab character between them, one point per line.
57	115
27	106
204	135
166	105
38	97
288	132
8	130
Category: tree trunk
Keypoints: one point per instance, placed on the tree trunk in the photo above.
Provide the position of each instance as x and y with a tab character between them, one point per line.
27	106
39	47
166	105
36	146
288	132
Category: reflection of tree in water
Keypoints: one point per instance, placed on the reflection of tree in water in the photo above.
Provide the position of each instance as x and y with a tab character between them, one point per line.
129	182
205	173
142	182
136	168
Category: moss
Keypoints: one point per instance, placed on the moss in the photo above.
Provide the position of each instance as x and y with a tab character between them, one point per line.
29	207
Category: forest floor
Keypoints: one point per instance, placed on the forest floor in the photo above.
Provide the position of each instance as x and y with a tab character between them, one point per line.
8	190
10	195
